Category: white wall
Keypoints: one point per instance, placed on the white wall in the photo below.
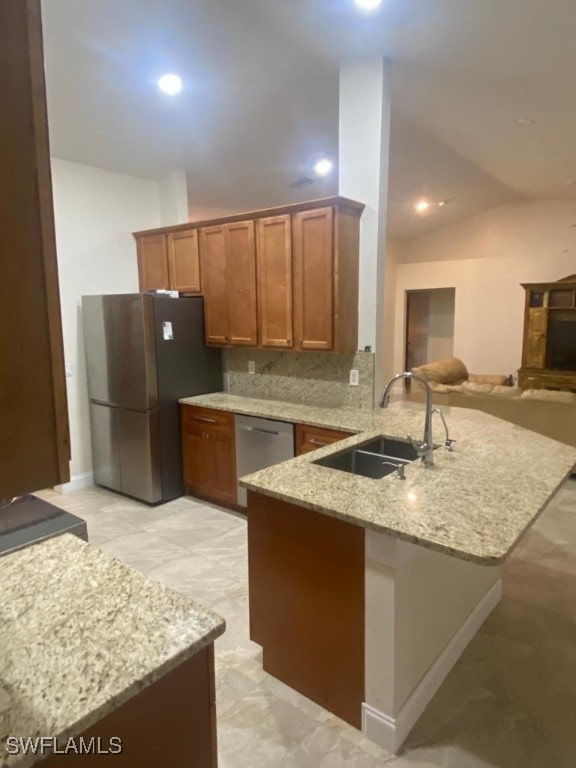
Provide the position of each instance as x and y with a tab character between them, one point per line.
173	191
485	259
95	213
363	158
394	254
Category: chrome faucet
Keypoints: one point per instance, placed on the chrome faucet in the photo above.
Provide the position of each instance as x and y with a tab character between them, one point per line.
424	448
449	442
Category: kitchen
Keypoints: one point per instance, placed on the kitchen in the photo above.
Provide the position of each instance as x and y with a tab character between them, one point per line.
95	289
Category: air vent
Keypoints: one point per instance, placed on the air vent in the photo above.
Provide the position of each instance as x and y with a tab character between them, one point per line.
303	181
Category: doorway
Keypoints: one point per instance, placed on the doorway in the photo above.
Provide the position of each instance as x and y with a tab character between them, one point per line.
429	326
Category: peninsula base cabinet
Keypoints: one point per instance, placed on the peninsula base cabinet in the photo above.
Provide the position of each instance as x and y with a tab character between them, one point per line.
349	616
170	723
209	454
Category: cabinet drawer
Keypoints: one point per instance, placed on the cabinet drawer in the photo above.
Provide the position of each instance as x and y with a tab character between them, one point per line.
311	438
194	417
529	381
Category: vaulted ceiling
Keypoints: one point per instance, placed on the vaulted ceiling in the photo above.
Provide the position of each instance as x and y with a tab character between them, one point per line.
482	98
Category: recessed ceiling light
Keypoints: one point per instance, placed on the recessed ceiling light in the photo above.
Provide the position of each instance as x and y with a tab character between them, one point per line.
323	167
368	5
421	206
170	84
524	121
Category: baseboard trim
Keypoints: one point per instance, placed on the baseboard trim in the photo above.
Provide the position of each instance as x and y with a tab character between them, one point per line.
77	482
389	732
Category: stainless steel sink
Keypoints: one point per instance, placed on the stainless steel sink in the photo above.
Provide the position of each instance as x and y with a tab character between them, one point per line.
374	459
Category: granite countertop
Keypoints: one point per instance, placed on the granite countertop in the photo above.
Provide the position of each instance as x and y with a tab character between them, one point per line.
474	503
81	634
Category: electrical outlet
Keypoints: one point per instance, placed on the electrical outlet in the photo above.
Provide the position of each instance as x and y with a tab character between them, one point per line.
69	371
251	366
354	377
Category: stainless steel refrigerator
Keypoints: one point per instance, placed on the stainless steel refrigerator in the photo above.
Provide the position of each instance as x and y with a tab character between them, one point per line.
143	353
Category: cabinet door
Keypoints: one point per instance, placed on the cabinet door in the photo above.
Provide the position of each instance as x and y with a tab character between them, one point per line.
222	472
194	460
311	438
274	261
184	261
535	340
241	268
215	284
209	453
152	263
313	233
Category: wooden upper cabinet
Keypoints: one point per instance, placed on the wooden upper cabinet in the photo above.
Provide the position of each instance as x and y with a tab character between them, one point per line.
241	272
314	279
282	277
153	263
274	260
184	261
215	284
34	440
228	265
326	255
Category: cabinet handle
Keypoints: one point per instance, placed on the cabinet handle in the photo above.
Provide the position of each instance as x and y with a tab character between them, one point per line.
205	419
313	441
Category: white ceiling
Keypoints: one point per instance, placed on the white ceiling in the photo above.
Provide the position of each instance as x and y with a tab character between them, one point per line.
261	96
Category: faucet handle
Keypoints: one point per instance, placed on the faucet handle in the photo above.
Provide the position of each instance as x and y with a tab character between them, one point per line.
449	443
420	446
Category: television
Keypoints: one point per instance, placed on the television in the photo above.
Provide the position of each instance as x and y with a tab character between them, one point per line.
562	341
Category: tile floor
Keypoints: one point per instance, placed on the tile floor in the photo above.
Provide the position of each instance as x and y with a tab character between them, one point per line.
510	702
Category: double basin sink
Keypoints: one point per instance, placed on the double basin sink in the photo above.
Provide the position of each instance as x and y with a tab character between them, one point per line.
375	458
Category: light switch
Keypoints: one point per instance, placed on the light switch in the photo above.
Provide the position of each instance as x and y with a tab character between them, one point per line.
69	371
354	377
251	366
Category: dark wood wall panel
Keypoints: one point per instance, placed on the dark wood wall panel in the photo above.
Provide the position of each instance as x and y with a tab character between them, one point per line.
306	578
34	441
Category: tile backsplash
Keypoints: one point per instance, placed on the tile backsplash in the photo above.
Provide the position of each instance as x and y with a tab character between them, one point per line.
313	378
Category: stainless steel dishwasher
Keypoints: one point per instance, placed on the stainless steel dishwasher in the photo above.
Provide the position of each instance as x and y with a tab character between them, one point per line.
259	444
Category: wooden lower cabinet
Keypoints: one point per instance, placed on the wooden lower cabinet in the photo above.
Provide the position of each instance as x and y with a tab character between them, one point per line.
209	454
310	438
306	592
555	380
170	723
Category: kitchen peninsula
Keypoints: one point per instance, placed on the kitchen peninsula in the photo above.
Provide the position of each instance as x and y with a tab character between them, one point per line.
95	649
363	592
